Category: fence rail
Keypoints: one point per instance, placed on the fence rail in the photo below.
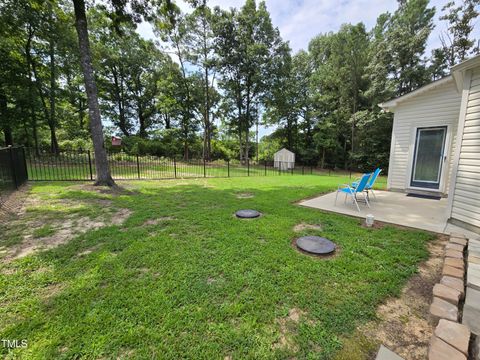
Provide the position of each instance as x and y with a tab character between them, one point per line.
79	165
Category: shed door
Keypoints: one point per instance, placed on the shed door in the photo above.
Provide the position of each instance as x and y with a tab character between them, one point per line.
428	157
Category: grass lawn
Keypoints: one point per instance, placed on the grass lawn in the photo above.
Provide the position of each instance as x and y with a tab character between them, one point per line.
182	278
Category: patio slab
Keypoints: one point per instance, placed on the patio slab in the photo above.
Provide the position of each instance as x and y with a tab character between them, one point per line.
396	208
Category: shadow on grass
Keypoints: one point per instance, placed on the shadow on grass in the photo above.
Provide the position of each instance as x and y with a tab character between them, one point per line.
205	284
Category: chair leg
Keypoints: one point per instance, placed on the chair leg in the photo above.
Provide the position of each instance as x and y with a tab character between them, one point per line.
374	196
336	196
366	200
356	203
345	201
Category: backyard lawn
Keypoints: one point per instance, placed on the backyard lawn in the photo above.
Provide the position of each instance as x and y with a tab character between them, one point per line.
162	269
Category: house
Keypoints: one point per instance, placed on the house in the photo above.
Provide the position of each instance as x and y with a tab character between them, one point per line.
284	159
435	145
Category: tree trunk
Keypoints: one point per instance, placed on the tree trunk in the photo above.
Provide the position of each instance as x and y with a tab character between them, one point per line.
103	176
7	130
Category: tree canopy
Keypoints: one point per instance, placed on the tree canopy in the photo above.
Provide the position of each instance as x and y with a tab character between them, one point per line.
212	77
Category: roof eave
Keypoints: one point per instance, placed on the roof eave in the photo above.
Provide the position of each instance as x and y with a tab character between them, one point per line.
392	104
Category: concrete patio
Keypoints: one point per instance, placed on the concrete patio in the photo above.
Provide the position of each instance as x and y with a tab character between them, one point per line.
395	208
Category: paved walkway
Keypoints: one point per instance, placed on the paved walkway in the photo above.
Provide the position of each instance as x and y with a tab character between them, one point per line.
396	208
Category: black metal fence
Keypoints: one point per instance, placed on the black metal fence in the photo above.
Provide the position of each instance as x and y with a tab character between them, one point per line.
80	165
13	169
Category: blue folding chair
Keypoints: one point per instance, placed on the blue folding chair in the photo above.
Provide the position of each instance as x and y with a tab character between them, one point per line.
353	191
370	183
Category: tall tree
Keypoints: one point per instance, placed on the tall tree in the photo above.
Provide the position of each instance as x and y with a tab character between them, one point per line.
201	54
457	43
103	176
246	43
407	34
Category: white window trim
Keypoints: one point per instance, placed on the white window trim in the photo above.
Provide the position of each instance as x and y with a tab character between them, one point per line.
446	154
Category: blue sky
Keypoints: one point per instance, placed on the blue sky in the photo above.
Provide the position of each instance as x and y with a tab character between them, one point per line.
300	20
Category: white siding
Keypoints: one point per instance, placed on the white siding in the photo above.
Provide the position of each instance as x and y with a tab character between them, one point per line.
466	198
437	107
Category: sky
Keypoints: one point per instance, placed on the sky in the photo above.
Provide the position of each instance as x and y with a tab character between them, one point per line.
301	20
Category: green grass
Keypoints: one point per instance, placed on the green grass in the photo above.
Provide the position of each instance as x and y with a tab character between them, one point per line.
200	284
43	231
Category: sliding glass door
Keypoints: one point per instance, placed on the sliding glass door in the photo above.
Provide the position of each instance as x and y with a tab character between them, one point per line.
428	157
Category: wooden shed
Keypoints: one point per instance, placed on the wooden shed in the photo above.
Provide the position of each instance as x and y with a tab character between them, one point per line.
284	159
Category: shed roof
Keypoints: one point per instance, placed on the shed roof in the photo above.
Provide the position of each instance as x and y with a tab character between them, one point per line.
284	151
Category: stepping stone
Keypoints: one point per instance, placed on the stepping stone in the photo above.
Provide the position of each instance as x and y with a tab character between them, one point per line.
442	309
454	283
456	247
459	241
474	242
451	271
456	263
471	311
247	214
473	251
472	247
454	334
447	293
387	354
473	280
454	254
440	350
473	259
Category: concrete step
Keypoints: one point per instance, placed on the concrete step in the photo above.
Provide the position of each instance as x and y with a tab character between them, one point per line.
471	310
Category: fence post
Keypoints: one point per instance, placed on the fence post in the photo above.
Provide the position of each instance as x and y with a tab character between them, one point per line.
228	168
12	167
248	167
175	167
138	167
90	164
311	170
265	167
279	168
303	169
293	168
204	168
25	161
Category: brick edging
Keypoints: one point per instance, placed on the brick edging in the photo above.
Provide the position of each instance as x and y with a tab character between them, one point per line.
451	339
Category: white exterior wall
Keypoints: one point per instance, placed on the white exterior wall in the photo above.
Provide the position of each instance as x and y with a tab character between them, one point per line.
466	197
437	107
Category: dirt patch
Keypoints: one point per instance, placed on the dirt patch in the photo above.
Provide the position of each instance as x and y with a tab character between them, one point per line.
244	195
304	226
64	231
403	324
158	220
288	328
